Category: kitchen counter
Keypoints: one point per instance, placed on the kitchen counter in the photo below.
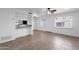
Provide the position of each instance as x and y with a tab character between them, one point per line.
20	26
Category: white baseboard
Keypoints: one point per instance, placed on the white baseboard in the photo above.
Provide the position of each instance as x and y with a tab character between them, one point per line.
3	41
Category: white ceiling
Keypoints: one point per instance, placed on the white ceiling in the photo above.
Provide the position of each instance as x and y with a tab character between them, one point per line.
43	11
63	10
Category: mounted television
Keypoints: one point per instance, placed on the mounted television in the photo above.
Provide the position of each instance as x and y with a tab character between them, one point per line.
24	22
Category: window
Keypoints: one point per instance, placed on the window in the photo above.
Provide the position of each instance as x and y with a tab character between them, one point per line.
60	24
63	22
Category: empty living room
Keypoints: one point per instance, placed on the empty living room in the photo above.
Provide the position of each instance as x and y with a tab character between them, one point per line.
39	28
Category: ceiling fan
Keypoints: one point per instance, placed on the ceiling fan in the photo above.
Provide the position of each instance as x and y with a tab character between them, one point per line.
51	11
29	13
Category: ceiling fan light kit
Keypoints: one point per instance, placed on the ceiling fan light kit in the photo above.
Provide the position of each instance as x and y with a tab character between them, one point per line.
51	11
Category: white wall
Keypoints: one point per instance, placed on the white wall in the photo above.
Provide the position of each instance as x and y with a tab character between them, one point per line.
20	15
51	24
34	24
7	25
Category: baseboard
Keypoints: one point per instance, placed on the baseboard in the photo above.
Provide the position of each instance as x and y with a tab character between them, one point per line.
58	33
23	36
7	40
65	34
